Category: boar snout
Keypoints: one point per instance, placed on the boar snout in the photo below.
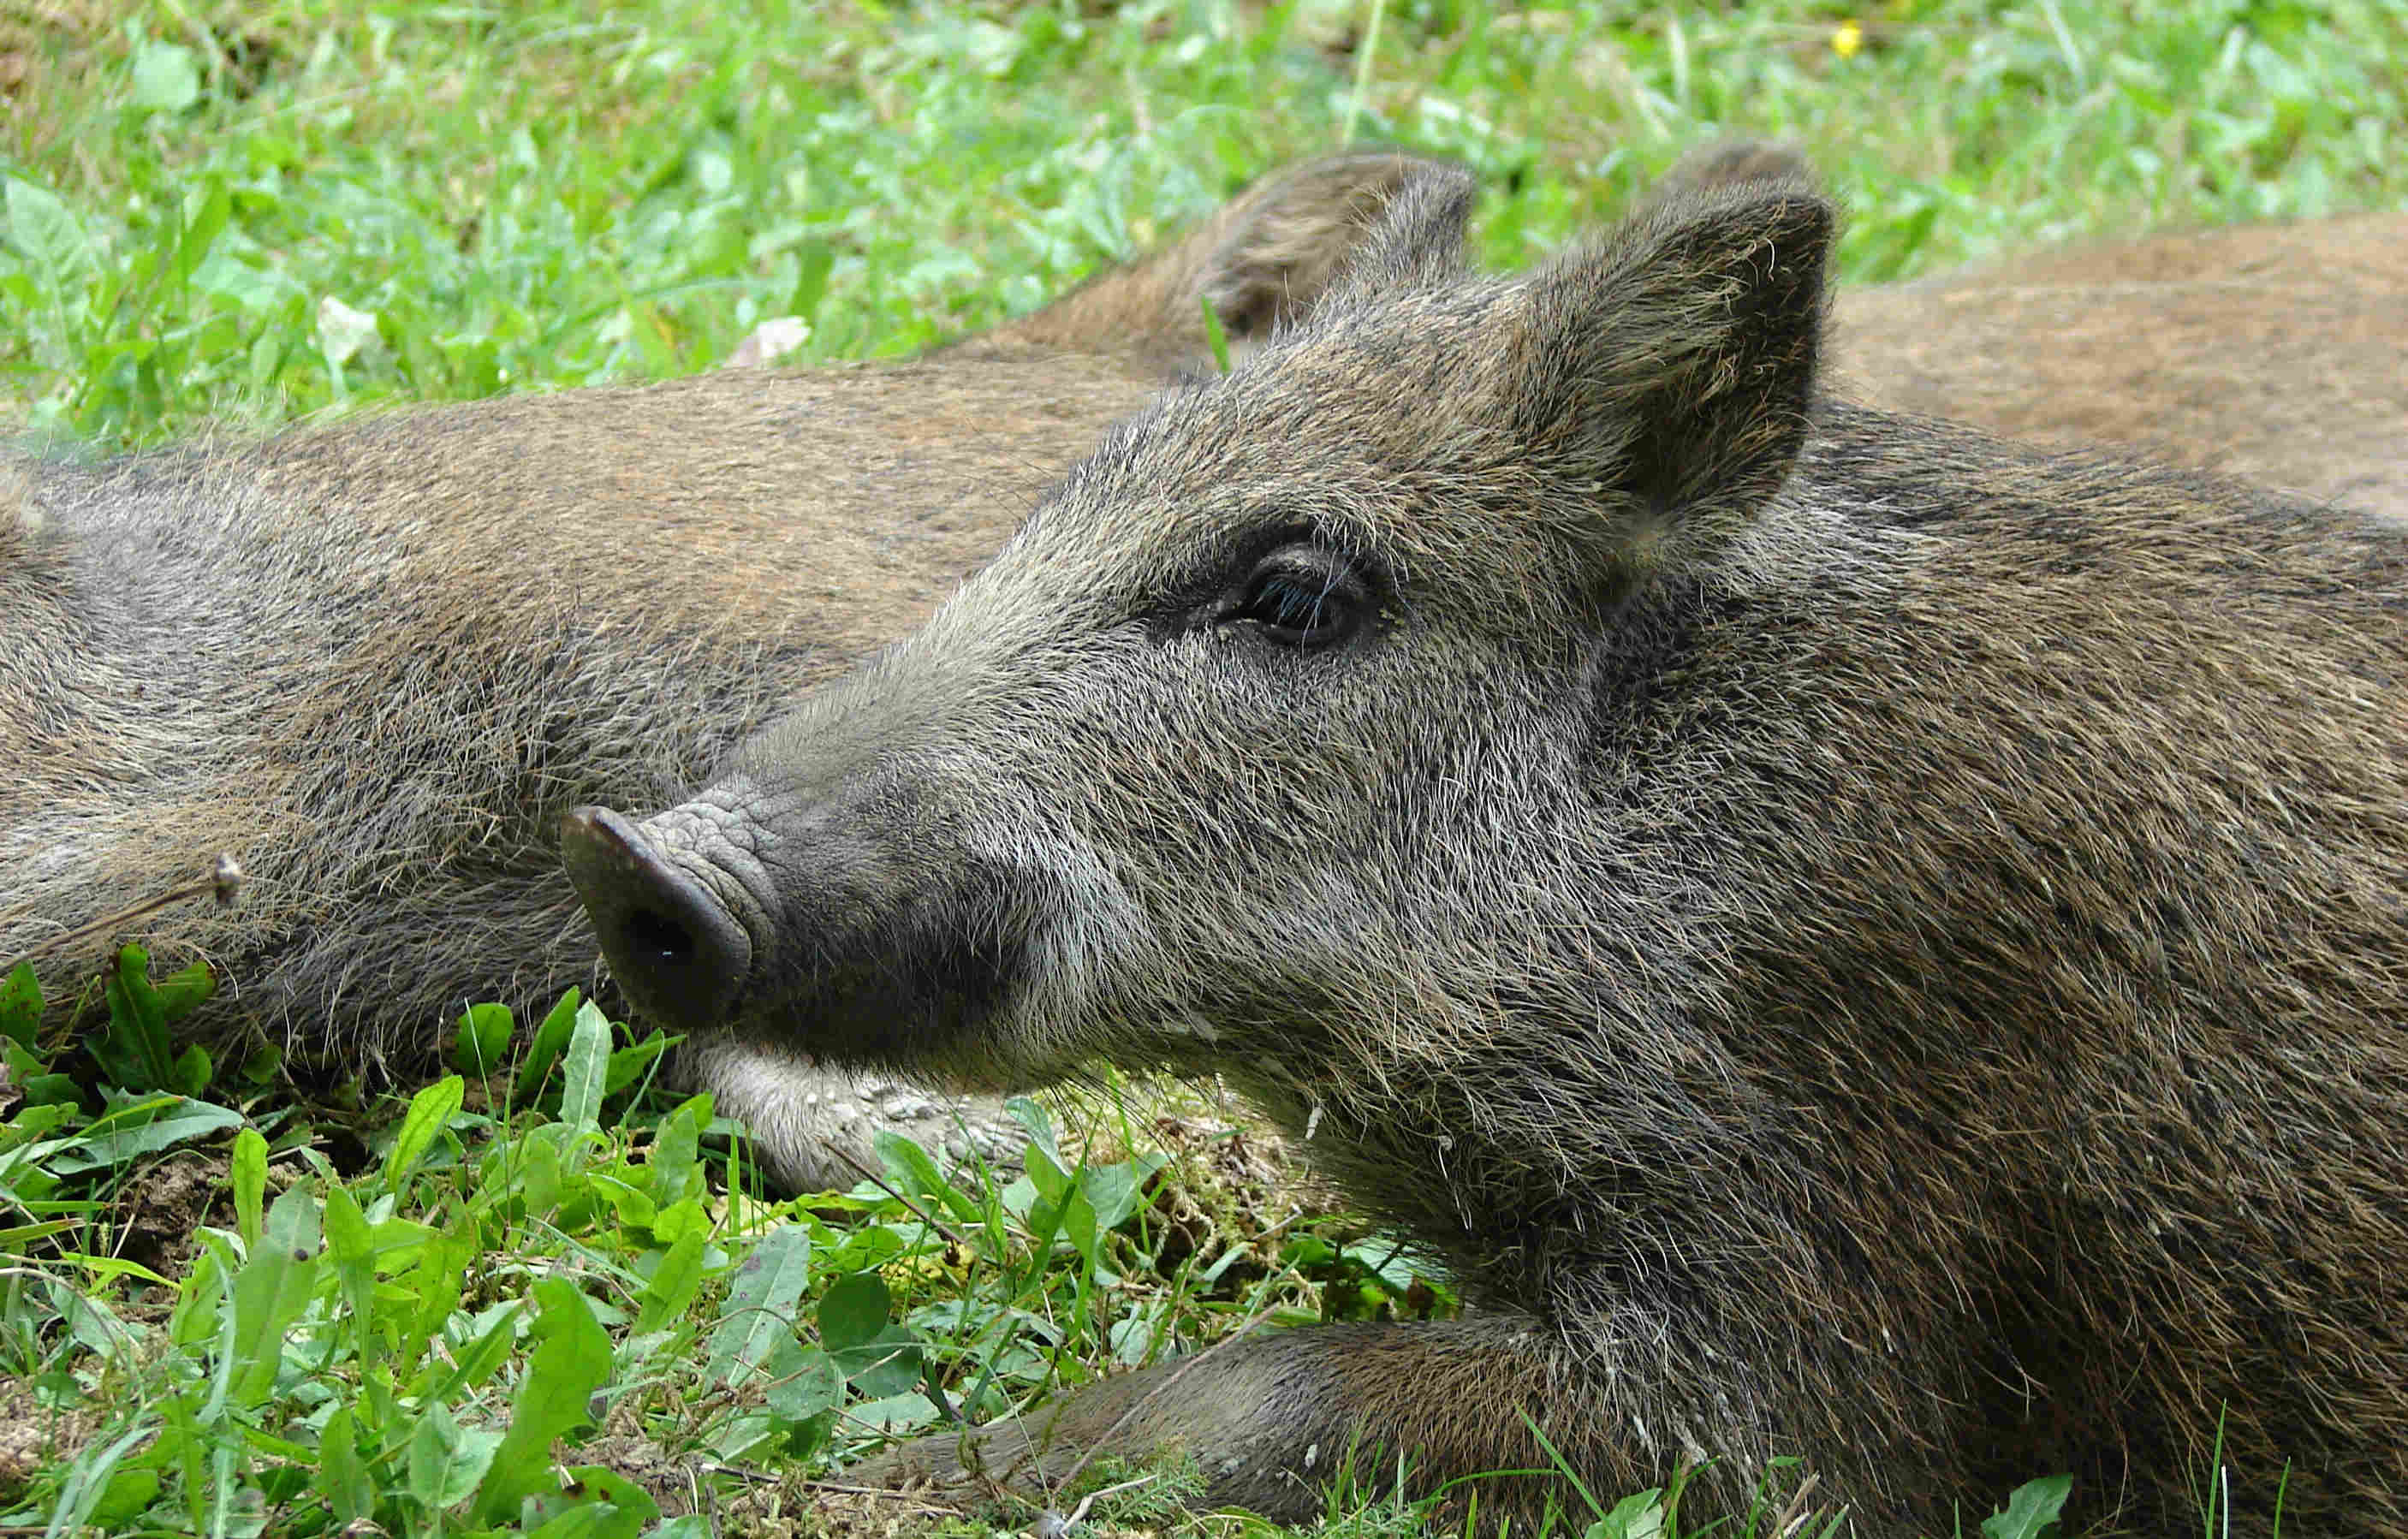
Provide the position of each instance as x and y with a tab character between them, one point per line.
673	944
833	916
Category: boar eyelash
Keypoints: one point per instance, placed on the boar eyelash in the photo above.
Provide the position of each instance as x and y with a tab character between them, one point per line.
1195	597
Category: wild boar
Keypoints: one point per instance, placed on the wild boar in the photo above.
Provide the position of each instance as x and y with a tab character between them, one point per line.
1852	937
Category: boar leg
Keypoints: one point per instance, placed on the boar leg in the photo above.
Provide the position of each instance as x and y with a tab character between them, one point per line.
1271	1419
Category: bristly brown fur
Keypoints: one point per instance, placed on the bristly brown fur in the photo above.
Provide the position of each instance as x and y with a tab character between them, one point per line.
1858	939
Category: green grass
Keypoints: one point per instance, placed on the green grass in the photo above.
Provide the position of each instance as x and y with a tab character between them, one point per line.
400	1330
524	194
232	1314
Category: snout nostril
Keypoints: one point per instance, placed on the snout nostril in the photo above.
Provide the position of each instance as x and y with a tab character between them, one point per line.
657	936
674	946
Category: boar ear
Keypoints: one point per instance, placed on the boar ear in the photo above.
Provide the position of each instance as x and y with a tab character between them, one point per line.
1286	241
1729	163
1266	257
1418	242
1671	368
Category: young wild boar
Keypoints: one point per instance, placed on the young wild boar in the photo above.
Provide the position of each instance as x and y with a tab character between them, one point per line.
2275	351
379	660
1856	939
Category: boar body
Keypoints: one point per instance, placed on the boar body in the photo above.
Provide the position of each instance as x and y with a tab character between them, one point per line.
1854	938
379	660
2278	352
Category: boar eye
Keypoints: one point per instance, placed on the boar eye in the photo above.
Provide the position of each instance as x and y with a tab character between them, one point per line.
1302	596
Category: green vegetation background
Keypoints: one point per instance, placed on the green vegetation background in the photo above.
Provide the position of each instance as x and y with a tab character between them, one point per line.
525	194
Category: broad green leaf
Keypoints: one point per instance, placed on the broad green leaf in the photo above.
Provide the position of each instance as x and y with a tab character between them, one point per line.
184	990
87	1479
917	1173
270	1291
1116	1191
814	261
430	1111
888	1364
482	1358
484	1040
595	1504
181	1446
550	1039
165	78
804	1381
1639	1516
133	1051
342	1475
131	1489
20	1005
686	1216
142	1126
256	289
584	1069
854	1310
674	1159
673	1282
541	1170
399	1241
1037	1124
895	1413
876	1357
589	1519
201	232
249	1177
40	225
192	1071
351	1251
90	1322
2032	1509
630	1064
632	1205
447	1461
1042	1165
380	1407
200	1299
742	1434
760	1308
1080	1227
46	1091
1135	1339
572	1361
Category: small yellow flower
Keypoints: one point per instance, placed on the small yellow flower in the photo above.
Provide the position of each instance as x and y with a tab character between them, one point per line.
1847	39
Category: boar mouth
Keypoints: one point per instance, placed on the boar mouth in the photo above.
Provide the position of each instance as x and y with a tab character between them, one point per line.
818	956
